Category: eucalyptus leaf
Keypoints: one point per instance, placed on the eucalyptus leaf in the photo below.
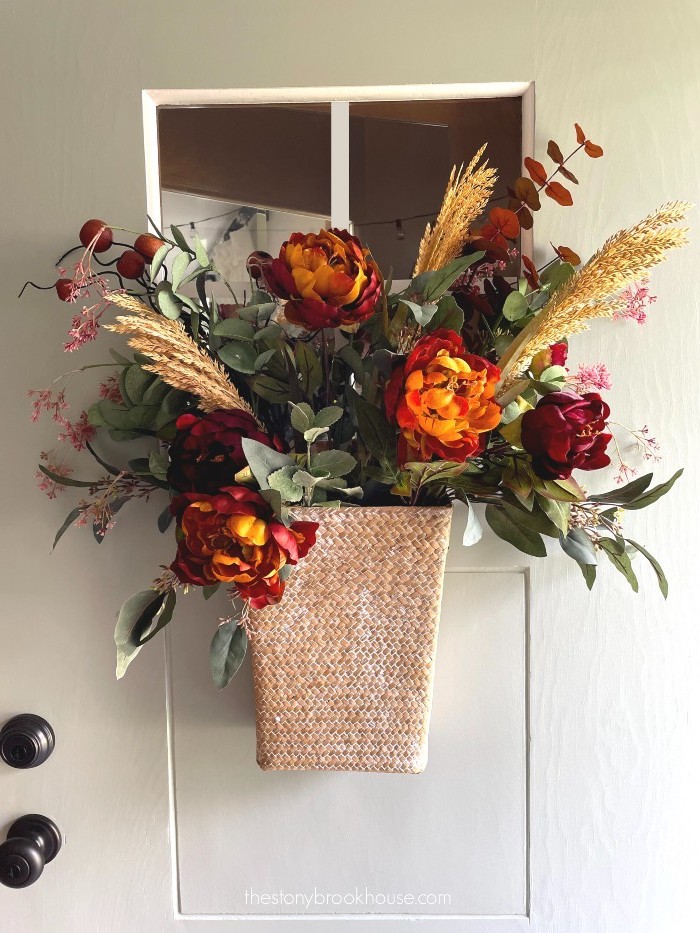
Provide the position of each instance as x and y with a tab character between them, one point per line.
200	252
658	570
263	460
69	520
158	260
449	315
165	520
233	327
140	618
209	591
239	356
589	572
136	381
439	281
654	494
179	269
65	480
625	493
472	530
179	238
530	542
579	546
166	301
227	651
515	306
620	560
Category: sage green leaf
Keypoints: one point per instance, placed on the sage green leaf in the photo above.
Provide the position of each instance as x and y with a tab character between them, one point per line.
553	374
439	281
472	530
589	574
233	327
535	520
530	542
200	252
136	381
179	269
620	560
302	416
556	275
272	390
309	368
257	313
72	517
263	359
313	434
140	618
158	463
209	591
227	651
556	511
95	416
239	356
308	480
449	315
166	301
334	462
660	575
156	392
515	307
179	238
625	493
263	460
328	416
352	358
118	358
282	480
65	480
374	429
165	520
158	260
654	494
579	546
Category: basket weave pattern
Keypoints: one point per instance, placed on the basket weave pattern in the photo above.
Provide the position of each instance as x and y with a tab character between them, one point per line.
343	666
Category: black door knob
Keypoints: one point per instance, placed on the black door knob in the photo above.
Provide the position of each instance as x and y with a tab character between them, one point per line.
26	741
32	841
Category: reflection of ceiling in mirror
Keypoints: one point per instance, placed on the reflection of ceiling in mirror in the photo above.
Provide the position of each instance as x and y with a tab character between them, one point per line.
231	232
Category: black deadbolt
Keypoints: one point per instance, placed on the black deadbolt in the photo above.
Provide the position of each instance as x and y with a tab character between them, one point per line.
32	842
26	741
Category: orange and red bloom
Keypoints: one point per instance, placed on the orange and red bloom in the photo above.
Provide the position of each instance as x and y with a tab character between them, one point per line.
234	537
328	279
566	432
442	400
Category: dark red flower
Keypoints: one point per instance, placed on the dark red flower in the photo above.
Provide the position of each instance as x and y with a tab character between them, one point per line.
328	279
566	432
235	537
206	452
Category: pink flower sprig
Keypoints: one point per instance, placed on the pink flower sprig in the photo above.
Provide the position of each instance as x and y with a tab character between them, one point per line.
109	390
53	403
591	377
47	485
637	299
78	433
643	444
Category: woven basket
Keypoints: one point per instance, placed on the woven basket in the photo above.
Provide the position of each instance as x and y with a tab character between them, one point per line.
343	666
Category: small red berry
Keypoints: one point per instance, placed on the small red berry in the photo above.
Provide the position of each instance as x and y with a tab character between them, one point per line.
90	229
131	264
64	289
148	245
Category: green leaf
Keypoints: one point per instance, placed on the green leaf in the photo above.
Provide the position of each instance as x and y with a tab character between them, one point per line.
309	367
656	493
282	480
65	480
302	416
530	542
352	358
334	462
233	327
308	480
620	560
158	464
515	307
625	493
158	260
556	511
263	460
449	315
118	358
533	519
95	416
156	392
257	313
589	574
179	238
167	302
328	416
72	517
165	520
239	356
140	618
227	651
660	575
439	281
579	546
179	269
272	390
200	252
556	274
313	434
423	314
136	381
374	429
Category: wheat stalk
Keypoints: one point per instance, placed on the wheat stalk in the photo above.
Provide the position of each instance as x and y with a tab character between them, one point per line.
466	196
175	356
593	292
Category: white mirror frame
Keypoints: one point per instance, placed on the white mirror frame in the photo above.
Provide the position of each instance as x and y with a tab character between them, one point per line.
339	99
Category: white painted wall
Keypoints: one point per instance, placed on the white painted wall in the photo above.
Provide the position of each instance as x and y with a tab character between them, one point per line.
615	711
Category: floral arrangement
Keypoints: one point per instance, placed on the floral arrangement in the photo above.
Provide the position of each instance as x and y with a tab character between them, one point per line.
322	385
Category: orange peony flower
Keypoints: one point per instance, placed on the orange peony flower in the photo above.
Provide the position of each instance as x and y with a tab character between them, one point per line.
442	399
234	537
329	279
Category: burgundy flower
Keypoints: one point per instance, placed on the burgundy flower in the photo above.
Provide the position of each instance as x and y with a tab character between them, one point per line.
206	453
566	432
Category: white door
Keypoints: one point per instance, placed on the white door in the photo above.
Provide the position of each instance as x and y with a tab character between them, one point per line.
560	793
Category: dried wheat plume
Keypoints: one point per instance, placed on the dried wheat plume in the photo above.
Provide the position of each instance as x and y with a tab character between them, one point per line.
175	356
466	196
594	291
